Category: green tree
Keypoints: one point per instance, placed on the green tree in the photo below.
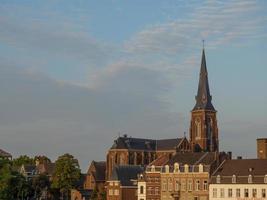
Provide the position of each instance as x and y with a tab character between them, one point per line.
67	174
23	160
40	184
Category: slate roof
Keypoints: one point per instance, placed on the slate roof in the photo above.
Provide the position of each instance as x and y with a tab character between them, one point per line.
242	168
145	144
160	161
203	98
126	173
193	158
100	172
4	154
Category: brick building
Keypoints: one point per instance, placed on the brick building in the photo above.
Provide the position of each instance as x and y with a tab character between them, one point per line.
262	148
122	184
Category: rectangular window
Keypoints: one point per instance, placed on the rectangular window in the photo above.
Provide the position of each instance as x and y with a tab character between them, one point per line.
183	185
164	185
230	192
197	185
222	192
246	193
214	192
116	183
116	192
176	185
110	192
156	190
205	185
254	192
170	184
190	185
238	192
263	193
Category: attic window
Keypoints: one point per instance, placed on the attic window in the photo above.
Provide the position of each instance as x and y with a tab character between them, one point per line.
250	179
218	179
234	179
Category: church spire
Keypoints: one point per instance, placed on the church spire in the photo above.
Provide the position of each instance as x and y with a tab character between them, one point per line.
203	98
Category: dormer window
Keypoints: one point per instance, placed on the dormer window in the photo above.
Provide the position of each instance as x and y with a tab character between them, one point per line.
176	168
265	178
218	179
249	178
234	179
167	168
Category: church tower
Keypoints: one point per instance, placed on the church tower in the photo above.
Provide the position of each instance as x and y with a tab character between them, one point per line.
203	128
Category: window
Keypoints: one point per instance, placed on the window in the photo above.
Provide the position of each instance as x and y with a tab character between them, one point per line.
149	190
265	178
254	192
176	185
190	185
214	193
156	190
170	184
246	193
183	185
222	192
164	185
141	189
230	192
205	185
233	179
110	192
218	179
263	193
195	198
237	192
198	128
176	167
116	192
249	179
197	185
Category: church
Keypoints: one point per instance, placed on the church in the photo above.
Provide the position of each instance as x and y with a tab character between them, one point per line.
203	135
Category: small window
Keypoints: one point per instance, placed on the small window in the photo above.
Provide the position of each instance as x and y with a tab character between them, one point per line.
214	192
218	179
164	185
254	192
190	185
222	192
234	179
183	185
205	185
263	193
197	185
237	192
246	192
141	189
265	178
249	179
156	190
230	192
177	184
110	192
170	184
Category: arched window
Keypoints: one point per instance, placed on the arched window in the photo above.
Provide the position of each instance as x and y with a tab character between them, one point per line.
234	179
167	168
176	167
249	179
198	128
218	179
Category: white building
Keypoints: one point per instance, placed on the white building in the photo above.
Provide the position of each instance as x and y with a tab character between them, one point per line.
240	179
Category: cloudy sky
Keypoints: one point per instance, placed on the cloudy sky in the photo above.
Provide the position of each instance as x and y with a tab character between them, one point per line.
76	74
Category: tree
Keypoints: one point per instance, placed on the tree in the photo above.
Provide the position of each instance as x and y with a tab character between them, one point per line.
67	174
23	160
40	184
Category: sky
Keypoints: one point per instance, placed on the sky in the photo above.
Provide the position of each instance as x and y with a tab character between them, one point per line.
74	75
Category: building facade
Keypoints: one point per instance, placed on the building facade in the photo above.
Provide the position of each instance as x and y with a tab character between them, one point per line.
240	179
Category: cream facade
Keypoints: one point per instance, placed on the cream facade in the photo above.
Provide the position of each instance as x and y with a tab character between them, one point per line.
237	191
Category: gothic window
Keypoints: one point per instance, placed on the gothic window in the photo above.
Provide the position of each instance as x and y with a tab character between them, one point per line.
198	128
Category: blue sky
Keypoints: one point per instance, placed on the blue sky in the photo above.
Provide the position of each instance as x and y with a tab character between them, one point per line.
76	73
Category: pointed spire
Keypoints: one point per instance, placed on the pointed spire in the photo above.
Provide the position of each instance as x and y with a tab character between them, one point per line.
203	98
